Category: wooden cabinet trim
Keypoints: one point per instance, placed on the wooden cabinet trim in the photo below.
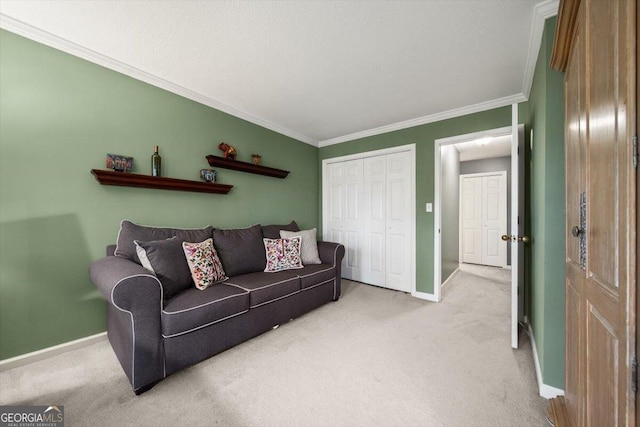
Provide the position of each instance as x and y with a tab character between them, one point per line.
565	32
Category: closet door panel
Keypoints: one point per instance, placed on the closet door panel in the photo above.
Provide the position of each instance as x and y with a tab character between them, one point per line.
374	219
494	220
335	198
344	210
471	219
399	268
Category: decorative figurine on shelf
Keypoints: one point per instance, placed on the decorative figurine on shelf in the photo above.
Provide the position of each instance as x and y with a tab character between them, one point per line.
208	175
257	159
228	150
119	163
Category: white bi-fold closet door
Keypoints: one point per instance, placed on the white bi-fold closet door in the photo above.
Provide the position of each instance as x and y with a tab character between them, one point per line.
368	207
483	218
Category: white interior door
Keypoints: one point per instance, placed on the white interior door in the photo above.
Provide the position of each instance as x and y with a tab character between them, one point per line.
344	212
471	218
399	269
517	225
374	220
494	219
334	209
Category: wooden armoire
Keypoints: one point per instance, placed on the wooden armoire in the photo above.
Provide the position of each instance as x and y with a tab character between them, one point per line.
595	45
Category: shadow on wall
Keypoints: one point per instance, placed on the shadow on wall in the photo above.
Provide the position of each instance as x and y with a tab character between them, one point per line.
46	297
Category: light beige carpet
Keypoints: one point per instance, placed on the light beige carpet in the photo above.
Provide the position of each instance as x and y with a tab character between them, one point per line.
374	358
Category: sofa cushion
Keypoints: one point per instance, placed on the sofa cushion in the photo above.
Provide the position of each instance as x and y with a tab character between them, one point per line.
125	246
165	258
309	248
282	254
194	309
241	250
267	287
273	231
315	274
204	263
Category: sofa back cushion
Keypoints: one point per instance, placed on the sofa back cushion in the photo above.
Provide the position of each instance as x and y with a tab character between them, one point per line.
273	231
241	250
166	259
129	232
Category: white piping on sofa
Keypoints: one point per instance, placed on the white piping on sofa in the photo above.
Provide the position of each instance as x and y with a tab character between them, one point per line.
133	328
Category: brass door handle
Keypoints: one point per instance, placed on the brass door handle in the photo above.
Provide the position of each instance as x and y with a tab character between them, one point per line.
523	239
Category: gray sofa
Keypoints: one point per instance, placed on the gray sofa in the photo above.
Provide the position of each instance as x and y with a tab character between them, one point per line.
154	335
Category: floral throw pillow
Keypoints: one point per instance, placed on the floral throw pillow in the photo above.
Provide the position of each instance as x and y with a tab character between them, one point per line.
283	254
206	268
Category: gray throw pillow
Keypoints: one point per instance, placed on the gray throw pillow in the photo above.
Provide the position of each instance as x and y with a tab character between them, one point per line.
166	259
273	231
240	250
309	247
129	232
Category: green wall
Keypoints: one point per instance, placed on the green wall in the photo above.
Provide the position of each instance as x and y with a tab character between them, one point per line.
424	137
59	116
546	203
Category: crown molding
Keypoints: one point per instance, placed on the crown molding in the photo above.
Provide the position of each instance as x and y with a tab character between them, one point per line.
457	112
541	13
25	30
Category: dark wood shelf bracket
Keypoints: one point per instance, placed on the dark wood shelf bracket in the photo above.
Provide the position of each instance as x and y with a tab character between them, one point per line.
126	179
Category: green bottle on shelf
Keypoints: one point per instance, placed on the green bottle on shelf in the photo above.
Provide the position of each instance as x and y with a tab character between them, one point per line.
156	163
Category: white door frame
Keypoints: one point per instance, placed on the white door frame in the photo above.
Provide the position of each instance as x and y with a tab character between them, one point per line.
411	148
502	173
437	209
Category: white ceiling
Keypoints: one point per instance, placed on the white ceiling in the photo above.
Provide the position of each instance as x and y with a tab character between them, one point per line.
322	72
484	148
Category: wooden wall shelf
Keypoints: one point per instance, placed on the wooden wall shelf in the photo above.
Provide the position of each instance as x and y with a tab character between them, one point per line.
237	165
126	179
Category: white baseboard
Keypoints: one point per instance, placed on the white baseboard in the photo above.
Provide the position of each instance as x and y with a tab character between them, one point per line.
546	391
446	282
425	296
45	353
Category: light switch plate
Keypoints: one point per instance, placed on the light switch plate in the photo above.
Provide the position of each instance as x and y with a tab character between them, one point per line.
429	207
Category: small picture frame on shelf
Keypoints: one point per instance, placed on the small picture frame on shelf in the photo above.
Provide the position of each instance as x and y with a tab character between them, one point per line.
119	163
208	175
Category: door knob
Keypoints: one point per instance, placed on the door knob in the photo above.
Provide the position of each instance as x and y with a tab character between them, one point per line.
576	231
523	239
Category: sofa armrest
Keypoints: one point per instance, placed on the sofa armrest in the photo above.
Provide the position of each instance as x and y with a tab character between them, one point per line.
133	318
331	253
127	285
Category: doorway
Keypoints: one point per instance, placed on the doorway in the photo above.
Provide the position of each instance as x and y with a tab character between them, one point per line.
468	154
515	240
